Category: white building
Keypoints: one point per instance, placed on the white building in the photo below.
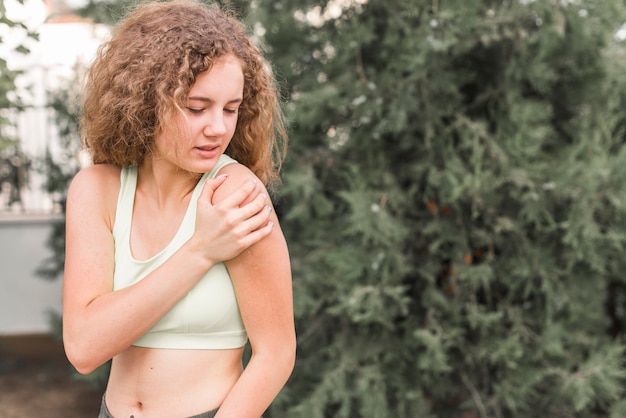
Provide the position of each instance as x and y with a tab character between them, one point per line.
65	43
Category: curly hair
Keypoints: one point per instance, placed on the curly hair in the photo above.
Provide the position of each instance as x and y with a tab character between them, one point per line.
143	74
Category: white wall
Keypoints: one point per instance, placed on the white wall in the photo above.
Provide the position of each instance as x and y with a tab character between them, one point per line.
25	298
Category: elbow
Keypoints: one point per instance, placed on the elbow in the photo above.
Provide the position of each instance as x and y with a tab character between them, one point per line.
84	370
82	365
281	357
79	357
291	355
287	356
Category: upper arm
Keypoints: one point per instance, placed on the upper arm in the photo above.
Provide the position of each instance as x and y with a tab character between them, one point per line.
261	277
89	255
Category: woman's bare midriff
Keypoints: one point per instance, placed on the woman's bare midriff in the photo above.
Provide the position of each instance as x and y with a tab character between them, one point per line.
149	382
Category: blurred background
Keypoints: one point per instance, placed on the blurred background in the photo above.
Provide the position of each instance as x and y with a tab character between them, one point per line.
454	200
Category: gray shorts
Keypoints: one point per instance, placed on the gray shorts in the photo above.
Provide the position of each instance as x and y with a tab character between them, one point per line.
104	412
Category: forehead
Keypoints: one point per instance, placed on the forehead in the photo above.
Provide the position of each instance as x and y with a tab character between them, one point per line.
225	77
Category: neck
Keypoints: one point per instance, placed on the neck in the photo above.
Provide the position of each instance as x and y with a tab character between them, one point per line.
166	184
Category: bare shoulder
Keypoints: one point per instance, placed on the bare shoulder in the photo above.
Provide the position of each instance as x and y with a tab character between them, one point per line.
95	188
96	176
238	174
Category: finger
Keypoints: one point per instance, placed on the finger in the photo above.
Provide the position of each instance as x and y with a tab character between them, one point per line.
258	206
211	186
257	220
257	235
246	192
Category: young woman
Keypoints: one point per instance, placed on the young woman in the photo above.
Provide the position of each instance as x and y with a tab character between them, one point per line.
175	258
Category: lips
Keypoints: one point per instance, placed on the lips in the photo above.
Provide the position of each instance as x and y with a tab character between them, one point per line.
207	151
208	147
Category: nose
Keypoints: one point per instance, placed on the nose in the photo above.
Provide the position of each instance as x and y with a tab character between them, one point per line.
215	124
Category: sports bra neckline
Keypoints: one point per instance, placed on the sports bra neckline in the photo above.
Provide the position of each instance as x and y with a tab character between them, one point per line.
132	188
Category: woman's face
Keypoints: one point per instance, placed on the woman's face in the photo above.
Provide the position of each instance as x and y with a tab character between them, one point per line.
208	120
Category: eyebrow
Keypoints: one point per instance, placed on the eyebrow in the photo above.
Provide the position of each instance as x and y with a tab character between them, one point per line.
207	100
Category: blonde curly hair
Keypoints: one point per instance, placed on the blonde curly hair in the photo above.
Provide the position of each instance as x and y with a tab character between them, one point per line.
143	74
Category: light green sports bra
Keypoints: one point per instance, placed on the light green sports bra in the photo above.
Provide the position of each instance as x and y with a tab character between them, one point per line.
208	316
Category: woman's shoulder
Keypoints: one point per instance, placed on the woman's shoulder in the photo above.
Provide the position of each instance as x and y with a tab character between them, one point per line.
95	189
236	169
237	175
98	171
96	181
96	175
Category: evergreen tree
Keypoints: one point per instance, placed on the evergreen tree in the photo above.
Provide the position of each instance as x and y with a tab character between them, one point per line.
454	206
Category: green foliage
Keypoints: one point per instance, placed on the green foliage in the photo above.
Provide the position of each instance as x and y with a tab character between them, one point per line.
454	207
107	12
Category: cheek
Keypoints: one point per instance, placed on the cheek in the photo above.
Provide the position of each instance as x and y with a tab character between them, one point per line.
183	133
173	140
232	124
183	127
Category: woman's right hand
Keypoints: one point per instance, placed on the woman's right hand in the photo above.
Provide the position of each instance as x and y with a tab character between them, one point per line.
226	229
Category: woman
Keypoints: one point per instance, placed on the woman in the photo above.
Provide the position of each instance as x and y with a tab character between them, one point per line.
174	256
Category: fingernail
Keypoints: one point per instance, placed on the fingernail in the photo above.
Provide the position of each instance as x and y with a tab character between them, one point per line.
221	176
269	208
264	196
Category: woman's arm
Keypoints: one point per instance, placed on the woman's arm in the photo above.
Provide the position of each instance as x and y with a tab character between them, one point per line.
261	276
99	323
